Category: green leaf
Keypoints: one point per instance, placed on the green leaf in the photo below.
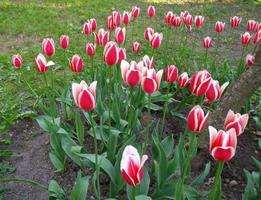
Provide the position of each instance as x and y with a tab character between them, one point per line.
193	194
58	164
168	145
142	197
79	191
55	191
199	180
143	187
250	191
79	128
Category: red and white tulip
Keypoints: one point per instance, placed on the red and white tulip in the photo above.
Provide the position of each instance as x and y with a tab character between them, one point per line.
148	31
111	54
122	54
176	21
116	17
136	47
126	17
87	28
147	62
171	73
131	73
135	12
93	23
198	21
76	63
245	38
219	27
168	17
120	35
250	60
183	80
17	60
102	37
214	91
151	11
257	38
200	82
110	23
64	41
251	25
155	39
150	81
41	64
235	21
48	47
207	42
197	120
90	49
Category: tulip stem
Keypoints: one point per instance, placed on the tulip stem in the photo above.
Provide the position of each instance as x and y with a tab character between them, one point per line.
110	154
165	108
148	126
133	193
130	109
206	58
92	68
64	69
216	192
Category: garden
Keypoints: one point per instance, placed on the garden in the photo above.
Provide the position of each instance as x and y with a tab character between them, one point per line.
135	100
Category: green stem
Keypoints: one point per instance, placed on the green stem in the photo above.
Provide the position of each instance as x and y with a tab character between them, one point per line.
130	109
27	181
206	58
165	108
110	107
133	193
64	69
148	126
216	192
92	68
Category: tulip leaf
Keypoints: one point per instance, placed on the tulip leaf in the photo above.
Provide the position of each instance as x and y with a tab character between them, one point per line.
143	187
142	197
250	191
79	191
167	191
57	163
199	180
168	145
55	191
79	128
193	194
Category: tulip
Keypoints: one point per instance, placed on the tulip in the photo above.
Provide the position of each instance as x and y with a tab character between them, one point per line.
235	21
110	24
84	96
250	60
214	91
150	82
116	18
200	82
102	37
168	17
196	121
48	47
236	121
122	54
258	28
183	80
120	35
252	25
148	31
155	39
131	73
207	42
219	26
257	38
245	38
151	11
111	54
132	165
147	62
76	63
135	11
90	49
87	28
222	144
136	47
176	21
41	64
126	17
64	41
188	19
171	73
93	24
198	21
17	61
184	14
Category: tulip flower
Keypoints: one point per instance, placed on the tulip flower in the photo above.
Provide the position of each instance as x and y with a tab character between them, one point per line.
147	62
102	37
257	38
171	73
151	11
111	54
131	73
48	47
150	81
93	24
258	28
176	21
135	11
64	41
252	25
197	120
168	17
250	60
41	64
207	42
219	26
214	91
183	80
155	39
136	47
245	38
236	121
132	165
222	144
126	16
188	19
87	28
17	61
200	82
110	24
90	49
76	63
235	21
198	21
120	35
116	18
148	31
122	54
84	96
184	14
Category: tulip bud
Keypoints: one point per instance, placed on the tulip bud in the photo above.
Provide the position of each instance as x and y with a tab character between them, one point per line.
184	14
147	62
148	31
131	73
135	11
168	17
250	60
214	91
120	35
48	47
151	11
87	28
93	24
188	20
90	49
196	121
41	64
136	47
111	54
198	20
155	40
257	38
116	17
222	144
207	42
102	37
122	54
64	41
236	121
183	80
76	63
176	21
150	82
84	96
17	61
200	82
132	165
252	25
171	73
219	26
126	17
235	21
245	38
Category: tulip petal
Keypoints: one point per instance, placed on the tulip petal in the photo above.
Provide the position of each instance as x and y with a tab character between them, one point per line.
92	88
86	100
223	153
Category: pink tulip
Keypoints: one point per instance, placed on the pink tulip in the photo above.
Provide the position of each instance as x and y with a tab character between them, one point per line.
90	49
252	25
214	91
188	19
110	24
84	96
150	81
116	17
147	62
87	28
168	17
235	21
120	35
131	73
131	165
245	38
136	47
198	21
102	37
93	23
183	80
122	54
64	41
17	61
250	60
236	121
155	39
151	11
171	73
76	63
200	82
176	21
41	64
111	54
257	38
207	42
184	14
126	17
148	31
197	120
135	11
222	144
48	47
219	26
